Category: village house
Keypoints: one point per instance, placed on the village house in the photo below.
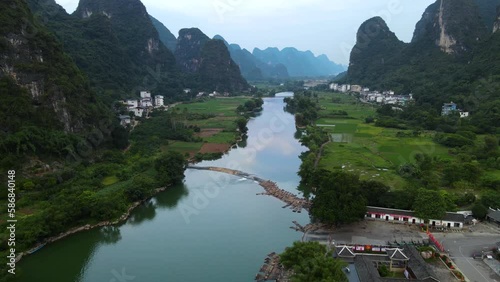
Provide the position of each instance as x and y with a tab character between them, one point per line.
493	216
356	88
451	220
345	88
159	101
138	111
124	120
132	104
146	100
451	107
187	91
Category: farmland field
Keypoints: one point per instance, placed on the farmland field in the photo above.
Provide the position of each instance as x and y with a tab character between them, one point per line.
370	151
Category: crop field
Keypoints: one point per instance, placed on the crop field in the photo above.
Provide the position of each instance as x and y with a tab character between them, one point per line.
370	151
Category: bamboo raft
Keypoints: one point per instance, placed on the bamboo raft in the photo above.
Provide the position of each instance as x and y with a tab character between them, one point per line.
272	270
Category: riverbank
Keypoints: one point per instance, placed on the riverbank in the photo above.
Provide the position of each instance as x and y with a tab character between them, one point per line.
86	227
109	179
166	230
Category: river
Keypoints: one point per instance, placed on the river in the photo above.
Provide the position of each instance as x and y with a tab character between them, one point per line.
212	228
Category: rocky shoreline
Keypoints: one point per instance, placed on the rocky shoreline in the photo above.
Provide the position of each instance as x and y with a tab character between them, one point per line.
74	230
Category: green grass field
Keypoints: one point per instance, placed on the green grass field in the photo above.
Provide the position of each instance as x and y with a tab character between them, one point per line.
183	147
372	152
221	106
222	138
224	110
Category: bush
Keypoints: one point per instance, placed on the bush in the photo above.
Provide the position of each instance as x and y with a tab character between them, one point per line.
383	271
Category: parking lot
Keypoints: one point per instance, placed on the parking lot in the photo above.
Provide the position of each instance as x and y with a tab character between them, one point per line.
370	233
462	246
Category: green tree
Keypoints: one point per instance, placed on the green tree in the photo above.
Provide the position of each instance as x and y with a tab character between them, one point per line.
310	261
339	199
242	124
429	204
140	188
170	168
491	199
479	210
373	192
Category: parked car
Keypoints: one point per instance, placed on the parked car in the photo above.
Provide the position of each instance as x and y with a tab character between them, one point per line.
477	255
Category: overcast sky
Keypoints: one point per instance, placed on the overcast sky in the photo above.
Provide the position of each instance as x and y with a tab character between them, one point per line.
322	26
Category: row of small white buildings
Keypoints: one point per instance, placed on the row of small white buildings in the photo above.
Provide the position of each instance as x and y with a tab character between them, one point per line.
386	97
451	220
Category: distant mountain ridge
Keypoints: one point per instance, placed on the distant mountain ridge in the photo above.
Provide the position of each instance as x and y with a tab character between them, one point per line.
251	67
299	63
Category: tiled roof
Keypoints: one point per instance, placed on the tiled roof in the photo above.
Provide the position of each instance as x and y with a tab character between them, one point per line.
495	215
345	252
389	211
455	217
396	254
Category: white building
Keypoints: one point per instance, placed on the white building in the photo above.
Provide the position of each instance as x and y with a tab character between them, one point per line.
334	86
146	100
451	220
187	91
124	120
159	101
464	114
145	94
138	111
344	88
131	104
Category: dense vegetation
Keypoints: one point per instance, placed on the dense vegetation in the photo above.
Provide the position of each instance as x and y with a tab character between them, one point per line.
99	44
457	167
311	261
304	107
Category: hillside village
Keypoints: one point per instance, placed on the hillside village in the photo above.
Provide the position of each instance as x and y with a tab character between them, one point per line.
391	98
146	103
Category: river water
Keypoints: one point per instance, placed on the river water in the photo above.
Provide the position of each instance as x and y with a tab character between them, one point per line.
212	228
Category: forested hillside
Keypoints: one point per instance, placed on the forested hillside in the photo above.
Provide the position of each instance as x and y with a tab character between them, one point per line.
41	91
452	57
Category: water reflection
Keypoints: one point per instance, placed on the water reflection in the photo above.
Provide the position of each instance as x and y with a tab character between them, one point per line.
170	198
145	212
110	235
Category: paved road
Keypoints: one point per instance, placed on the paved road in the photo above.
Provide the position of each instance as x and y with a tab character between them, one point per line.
461	246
